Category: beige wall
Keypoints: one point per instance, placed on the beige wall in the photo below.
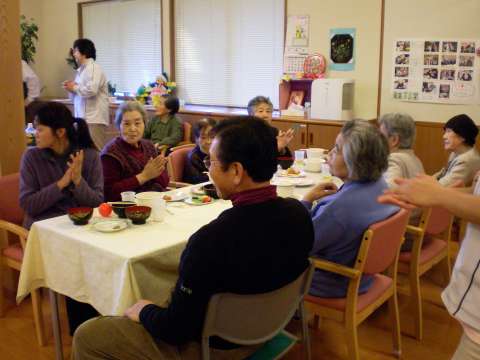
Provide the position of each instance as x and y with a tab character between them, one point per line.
363	15
423	19
58	28
57	20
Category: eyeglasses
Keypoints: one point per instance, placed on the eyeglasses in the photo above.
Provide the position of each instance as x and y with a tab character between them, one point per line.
209	162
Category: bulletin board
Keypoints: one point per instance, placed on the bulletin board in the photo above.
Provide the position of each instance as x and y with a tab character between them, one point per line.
436	70
431	20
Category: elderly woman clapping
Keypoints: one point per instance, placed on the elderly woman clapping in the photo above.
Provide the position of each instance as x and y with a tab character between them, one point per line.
131	163
340	217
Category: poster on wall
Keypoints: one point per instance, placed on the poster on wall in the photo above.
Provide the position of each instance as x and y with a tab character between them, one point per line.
342	46
436	70
296	43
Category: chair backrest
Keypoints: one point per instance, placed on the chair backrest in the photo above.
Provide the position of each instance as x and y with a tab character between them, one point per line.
253	319
187	132
176	162
382	241
10	209
439	221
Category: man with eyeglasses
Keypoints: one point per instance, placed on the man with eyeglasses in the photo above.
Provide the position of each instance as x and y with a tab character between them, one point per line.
259	245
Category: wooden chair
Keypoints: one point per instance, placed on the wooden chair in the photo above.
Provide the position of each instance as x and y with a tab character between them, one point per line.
379	251
258	318
431	246
176	164
187	133
11	217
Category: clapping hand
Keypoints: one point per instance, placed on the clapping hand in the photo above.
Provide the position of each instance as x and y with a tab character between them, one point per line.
75	165
420	191
152	169
320	191
284	137
65	180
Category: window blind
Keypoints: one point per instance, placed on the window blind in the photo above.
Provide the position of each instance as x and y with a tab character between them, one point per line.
127	35
227	52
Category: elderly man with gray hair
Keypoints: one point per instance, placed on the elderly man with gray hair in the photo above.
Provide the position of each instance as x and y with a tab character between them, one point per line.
399	129
341	216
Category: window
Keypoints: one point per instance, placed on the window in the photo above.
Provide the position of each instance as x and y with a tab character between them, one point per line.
127	36
227	52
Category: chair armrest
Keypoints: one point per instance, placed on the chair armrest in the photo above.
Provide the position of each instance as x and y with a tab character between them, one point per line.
336	268
414	230
19	231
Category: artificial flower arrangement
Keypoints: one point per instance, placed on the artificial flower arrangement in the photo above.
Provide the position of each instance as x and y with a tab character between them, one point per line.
154	90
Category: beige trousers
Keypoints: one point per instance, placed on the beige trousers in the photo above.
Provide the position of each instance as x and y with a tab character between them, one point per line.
119	338
98	134
467	350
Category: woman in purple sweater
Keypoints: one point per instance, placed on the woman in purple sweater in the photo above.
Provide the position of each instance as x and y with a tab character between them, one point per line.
61	172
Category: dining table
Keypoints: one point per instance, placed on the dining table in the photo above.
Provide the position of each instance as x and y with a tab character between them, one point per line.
113	270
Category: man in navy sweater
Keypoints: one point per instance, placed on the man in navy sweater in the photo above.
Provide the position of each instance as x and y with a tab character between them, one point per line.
260	244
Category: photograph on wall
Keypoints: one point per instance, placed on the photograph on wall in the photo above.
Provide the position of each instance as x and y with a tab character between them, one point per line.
436	70
342	49
296	99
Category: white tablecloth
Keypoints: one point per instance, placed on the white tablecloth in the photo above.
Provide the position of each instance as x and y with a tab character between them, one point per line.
111	271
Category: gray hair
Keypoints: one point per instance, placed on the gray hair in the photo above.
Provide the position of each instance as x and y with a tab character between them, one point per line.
257	100
365	150
402	125
128	106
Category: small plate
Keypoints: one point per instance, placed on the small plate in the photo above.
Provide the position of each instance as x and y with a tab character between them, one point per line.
198	190
304	182
284	173
190	201
109	226
176	196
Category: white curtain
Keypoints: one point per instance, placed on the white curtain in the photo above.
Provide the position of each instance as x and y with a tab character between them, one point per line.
127	36
227	52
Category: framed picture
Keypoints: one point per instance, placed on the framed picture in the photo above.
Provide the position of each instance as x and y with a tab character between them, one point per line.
296	99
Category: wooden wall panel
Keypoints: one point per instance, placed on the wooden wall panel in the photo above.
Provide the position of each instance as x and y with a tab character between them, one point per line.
429	146
12	117
322	136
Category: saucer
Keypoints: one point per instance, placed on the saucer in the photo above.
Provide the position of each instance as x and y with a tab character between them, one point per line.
109	226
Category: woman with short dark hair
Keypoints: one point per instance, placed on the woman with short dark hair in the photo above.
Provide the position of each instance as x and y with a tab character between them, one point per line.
165	129
195	170
459	137
89	90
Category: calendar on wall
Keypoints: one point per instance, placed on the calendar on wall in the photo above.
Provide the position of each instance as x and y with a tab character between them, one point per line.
293	63
296	44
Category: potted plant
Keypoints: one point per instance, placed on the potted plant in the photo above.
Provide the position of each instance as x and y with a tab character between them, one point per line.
29	35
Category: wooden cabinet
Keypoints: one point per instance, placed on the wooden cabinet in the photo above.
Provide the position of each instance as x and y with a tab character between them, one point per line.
310	133
322	136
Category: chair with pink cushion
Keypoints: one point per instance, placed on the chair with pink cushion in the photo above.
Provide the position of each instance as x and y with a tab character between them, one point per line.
11	218
378	253
176	163
430	247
